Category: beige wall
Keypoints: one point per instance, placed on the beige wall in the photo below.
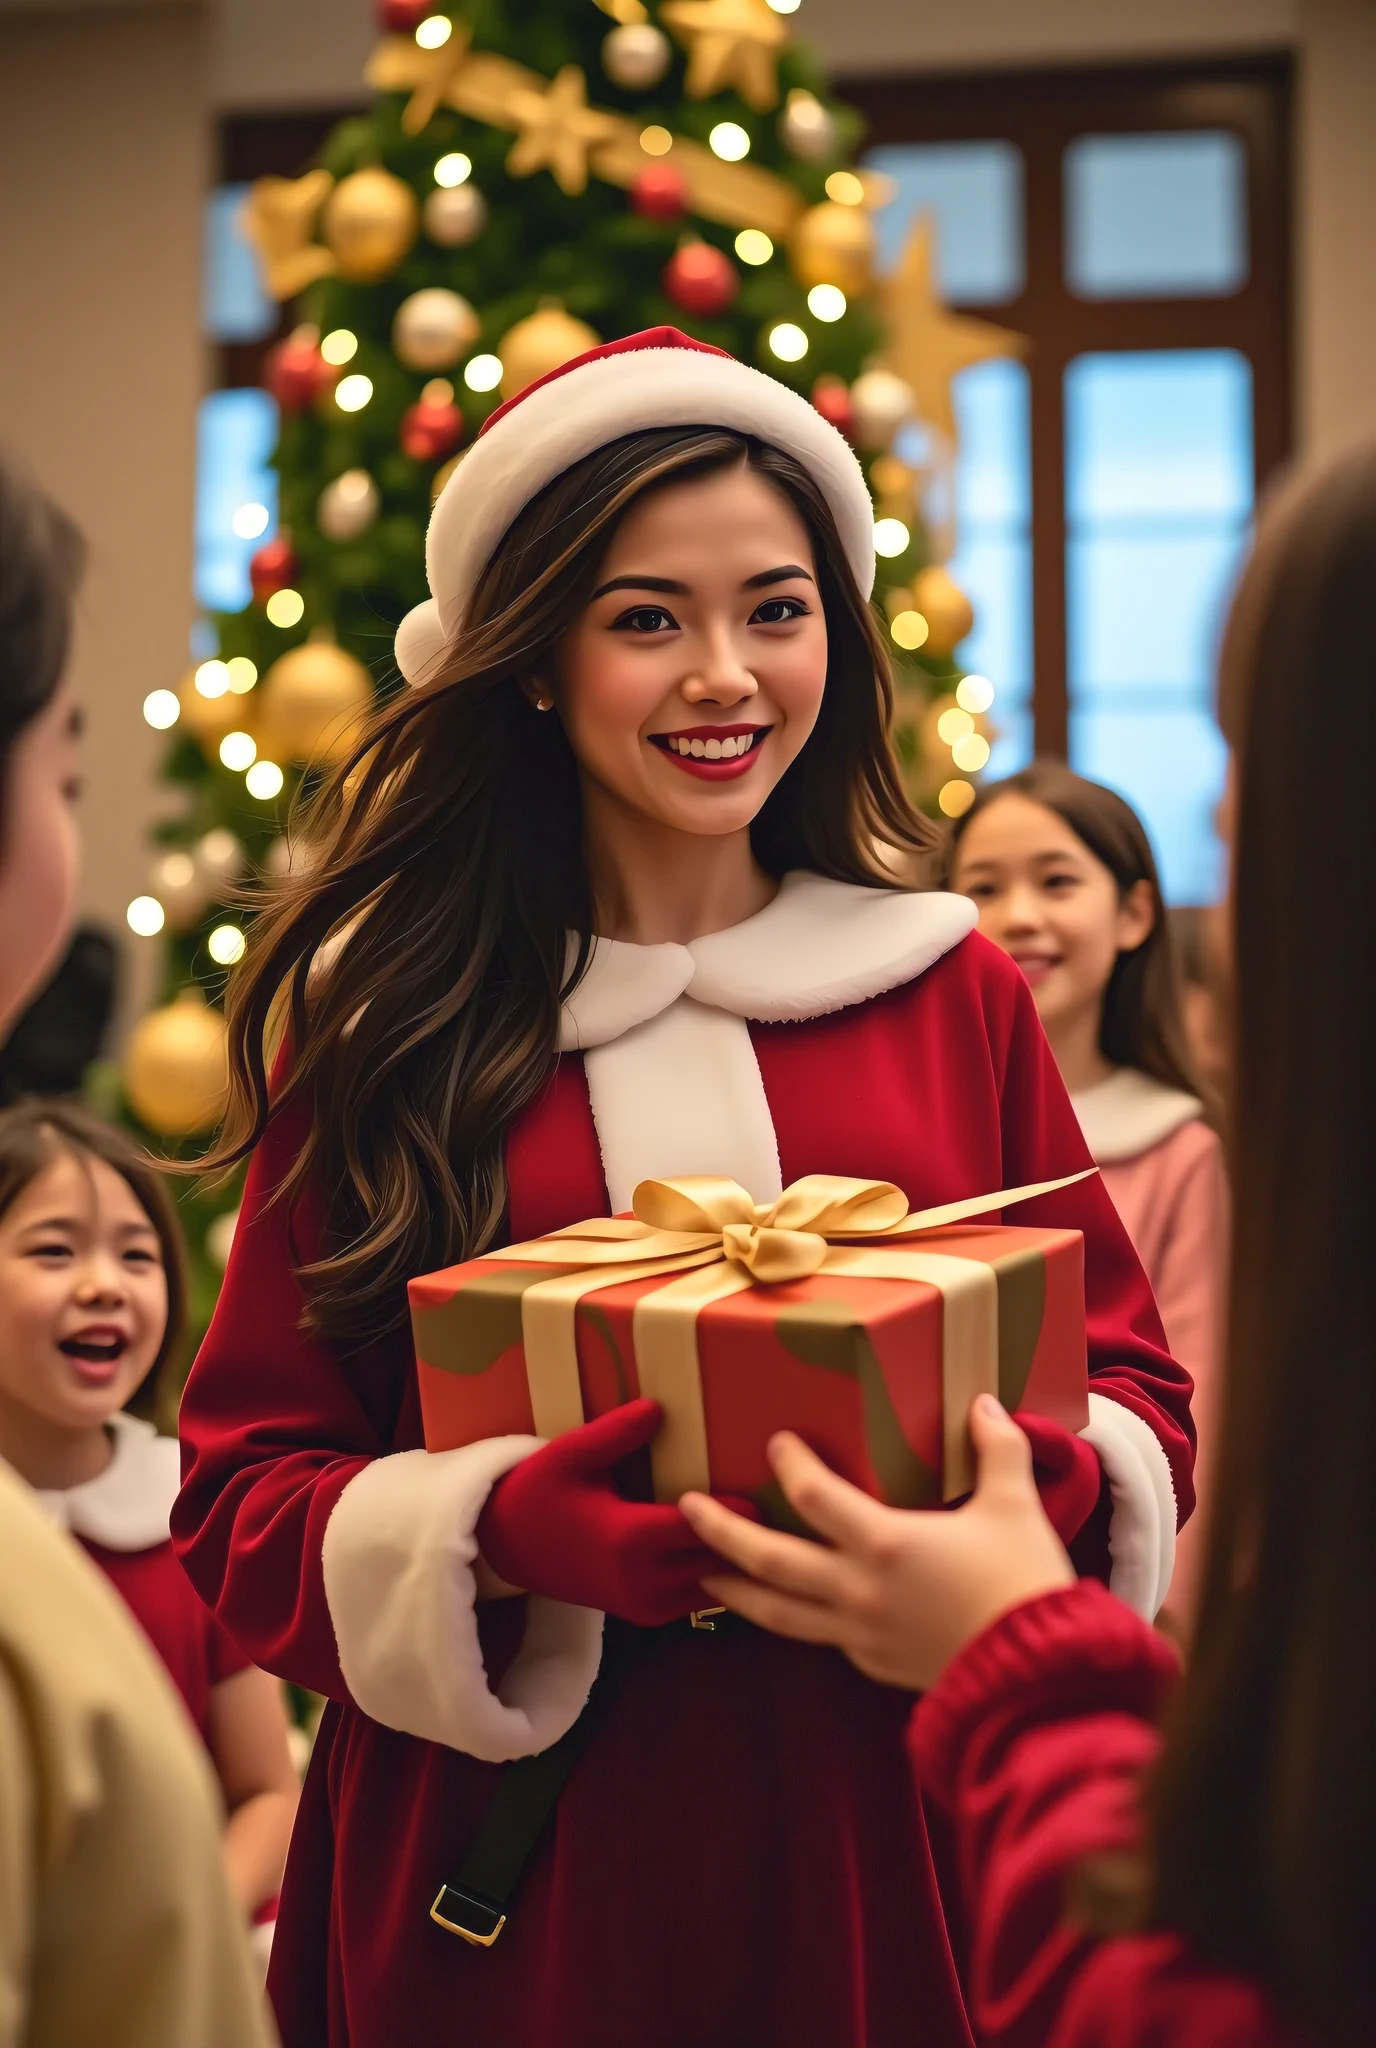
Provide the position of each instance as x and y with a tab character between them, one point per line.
103	129
1335	275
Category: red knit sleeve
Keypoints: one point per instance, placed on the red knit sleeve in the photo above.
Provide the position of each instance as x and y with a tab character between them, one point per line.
272	1430
1035	1740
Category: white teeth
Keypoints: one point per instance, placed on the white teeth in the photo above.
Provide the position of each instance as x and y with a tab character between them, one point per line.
713	750
698	749
731	746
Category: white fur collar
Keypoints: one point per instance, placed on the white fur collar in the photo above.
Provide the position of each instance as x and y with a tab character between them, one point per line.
1130	1112
819	946
127	1506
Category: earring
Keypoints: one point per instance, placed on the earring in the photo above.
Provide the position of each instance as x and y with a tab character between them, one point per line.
544	703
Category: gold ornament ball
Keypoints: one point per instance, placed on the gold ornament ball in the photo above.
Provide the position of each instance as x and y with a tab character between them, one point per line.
371	220
208	719
314	699
944	605
834	245
176	1067
544	342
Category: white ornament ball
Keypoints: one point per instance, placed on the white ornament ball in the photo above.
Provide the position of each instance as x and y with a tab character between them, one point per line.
348	506
807	129
180	888
883	403
434	328
455	215
636	56
220	859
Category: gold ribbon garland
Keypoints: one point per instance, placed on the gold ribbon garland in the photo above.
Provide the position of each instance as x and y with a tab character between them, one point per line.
719	1241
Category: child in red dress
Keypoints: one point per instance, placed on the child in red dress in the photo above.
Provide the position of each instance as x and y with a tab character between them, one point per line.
91	1297
598	900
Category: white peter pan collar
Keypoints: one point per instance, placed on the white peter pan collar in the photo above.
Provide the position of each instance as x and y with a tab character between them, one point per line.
128	1505
1126	1115
819	946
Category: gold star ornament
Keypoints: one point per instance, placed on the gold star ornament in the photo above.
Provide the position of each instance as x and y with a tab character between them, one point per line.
729	43
557	129
928	345
278	217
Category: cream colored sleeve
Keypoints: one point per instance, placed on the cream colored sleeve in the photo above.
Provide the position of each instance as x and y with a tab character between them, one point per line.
116	1923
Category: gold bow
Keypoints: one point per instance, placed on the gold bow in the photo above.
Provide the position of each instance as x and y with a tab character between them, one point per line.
711	1233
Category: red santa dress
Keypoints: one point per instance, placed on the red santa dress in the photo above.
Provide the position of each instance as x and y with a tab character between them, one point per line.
739	1859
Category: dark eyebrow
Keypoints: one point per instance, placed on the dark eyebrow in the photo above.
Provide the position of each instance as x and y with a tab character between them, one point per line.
664	583
789	571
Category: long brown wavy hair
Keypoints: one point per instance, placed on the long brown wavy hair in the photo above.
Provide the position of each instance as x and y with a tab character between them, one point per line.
1141	1025
419	961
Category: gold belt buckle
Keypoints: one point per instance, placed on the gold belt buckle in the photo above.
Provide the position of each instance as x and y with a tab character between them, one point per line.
451	1900
699	1619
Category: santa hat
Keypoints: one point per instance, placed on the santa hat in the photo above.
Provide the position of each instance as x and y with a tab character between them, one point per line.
659	378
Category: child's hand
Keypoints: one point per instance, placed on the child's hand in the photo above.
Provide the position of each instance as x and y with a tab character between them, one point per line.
899	1592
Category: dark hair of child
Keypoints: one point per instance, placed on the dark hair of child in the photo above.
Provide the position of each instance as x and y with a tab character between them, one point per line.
41	558
449	849
33	1135
1141	1024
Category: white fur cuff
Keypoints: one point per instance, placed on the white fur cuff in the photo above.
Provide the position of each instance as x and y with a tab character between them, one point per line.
398	1559
1141	1537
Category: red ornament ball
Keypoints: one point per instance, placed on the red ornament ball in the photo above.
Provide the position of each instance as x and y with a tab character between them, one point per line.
660	192
273	567
401	17
431	429
699	279
831	396
296	373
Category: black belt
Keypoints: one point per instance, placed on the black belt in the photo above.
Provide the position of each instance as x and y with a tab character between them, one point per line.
475	1905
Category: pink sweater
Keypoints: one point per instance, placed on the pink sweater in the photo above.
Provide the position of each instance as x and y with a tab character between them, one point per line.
1163	1167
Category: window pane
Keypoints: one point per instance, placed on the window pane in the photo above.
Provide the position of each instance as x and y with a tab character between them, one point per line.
974	192
236	432
992	562
1156	216
1158	502
236	306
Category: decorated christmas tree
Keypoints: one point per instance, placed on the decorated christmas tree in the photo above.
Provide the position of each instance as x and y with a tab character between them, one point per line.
531	179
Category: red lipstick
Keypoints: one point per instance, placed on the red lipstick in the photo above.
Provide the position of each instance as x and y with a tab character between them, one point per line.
714	753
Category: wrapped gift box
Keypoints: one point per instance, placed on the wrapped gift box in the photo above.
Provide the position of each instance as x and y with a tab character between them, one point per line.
876	1370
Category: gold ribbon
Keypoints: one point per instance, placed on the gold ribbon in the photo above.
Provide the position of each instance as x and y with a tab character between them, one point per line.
719	1241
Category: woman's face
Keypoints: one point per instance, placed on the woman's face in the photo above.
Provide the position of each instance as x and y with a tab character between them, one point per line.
83	1295
38	849
1050	903
695	674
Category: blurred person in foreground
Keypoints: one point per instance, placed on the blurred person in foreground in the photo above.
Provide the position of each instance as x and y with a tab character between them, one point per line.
1212	1883
116	1924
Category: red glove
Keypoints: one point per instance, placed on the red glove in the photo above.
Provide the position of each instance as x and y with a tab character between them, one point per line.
556	1524
1067	1473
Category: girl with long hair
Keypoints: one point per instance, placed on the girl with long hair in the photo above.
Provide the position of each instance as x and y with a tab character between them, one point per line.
595	900
1062	873
1214	1882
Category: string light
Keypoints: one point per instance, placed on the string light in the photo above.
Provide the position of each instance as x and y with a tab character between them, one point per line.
846	189
177	870
827	302
339	346
891	538
729	141
161	709
785	6
788	342
909	630
243	674
955	798
212	678
145	917
351	394
954	725
285	608
250	520
971	753
434	32
454	168
754	246
238	750
264	781
226	945
656	141
483	373
974	693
